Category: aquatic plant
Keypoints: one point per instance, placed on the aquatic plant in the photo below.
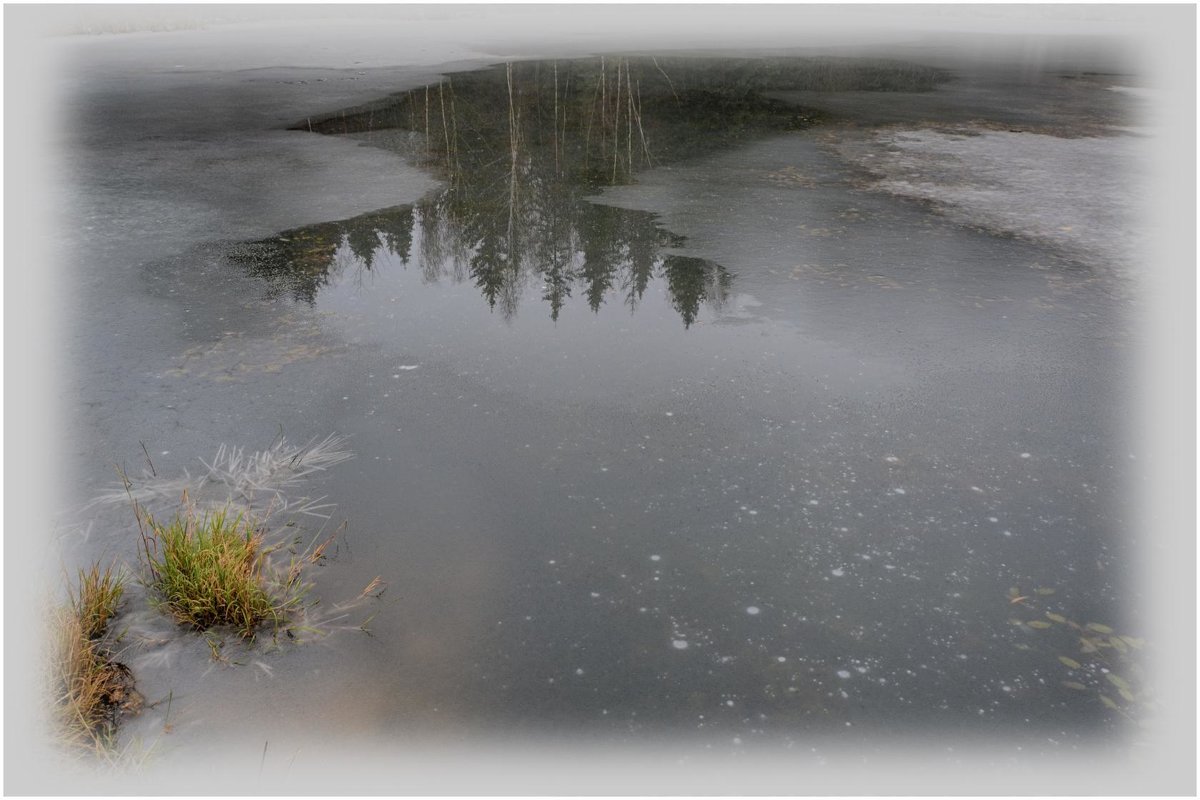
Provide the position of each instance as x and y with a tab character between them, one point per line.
221	549
91	690
1101	662
97	597
210	569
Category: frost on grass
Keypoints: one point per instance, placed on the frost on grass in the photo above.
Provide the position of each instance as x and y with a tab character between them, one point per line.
265	479
182	522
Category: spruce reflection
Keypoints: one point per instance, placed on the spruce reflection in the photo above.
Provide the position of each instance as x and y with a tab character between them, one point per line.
521	146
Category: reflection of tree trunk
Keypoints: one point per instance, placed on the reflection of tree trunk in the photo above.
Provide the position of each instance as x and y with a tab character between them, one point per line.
566	107
603	95
629	119
617	124
454	122
646	159
445	125
557	170
512	177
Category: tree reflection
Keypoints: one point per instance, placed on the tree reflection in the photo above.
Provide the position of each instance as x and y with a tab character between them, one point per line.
521	146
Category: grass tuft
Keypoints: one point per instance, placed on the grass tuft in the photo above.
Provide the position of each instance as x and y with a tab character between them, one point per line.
92	689
210	570
96	600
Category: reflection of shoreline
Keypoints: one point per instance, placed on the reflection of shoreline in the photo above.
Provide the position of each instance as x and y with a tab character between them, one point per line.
521	145
615	254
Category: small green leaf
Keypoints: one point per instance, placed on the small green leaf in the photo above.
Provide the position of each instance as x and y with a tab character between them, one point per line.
1133	642
1039	624
1120	645
1087	645
1044	592
1116	680
1022	646
1098	628
1059	618
1079	687
1070	662
1108	702
1014	592
1128	695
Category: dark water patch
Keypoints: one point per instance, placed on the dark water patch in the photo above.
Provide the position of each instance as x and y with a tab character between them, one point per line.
720	93
521	146
601	254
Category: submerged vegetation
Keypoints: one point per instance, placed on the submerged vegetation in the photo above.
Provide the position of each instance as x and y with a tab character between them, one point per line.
521	146
1095	660
91	689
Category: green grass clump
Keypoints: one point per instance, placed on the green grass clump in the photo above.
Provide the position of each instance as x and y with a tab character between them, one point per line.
211	570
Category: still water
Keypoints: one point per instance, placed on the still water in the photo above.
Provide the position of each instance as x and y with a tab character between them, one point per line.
665	424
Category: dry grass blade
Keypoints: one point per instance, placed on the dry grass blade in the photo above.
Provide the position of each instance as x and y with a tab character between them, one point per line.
232	474
374	589
97	597
90	689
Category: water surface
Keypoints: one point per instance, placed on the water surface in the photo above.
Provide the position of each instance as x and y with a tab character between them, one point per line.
664	425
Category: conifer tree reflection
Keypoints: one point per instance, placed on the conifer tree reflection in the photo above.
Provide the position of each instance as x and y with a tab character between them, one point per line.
521	146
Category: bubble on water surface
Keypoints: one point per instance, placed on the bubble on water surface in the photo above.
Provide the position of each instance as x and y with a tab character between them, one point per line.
679	644
752	610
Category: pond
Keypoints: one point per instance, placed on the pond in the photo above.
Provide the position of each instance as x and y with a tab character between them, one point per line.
666	422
